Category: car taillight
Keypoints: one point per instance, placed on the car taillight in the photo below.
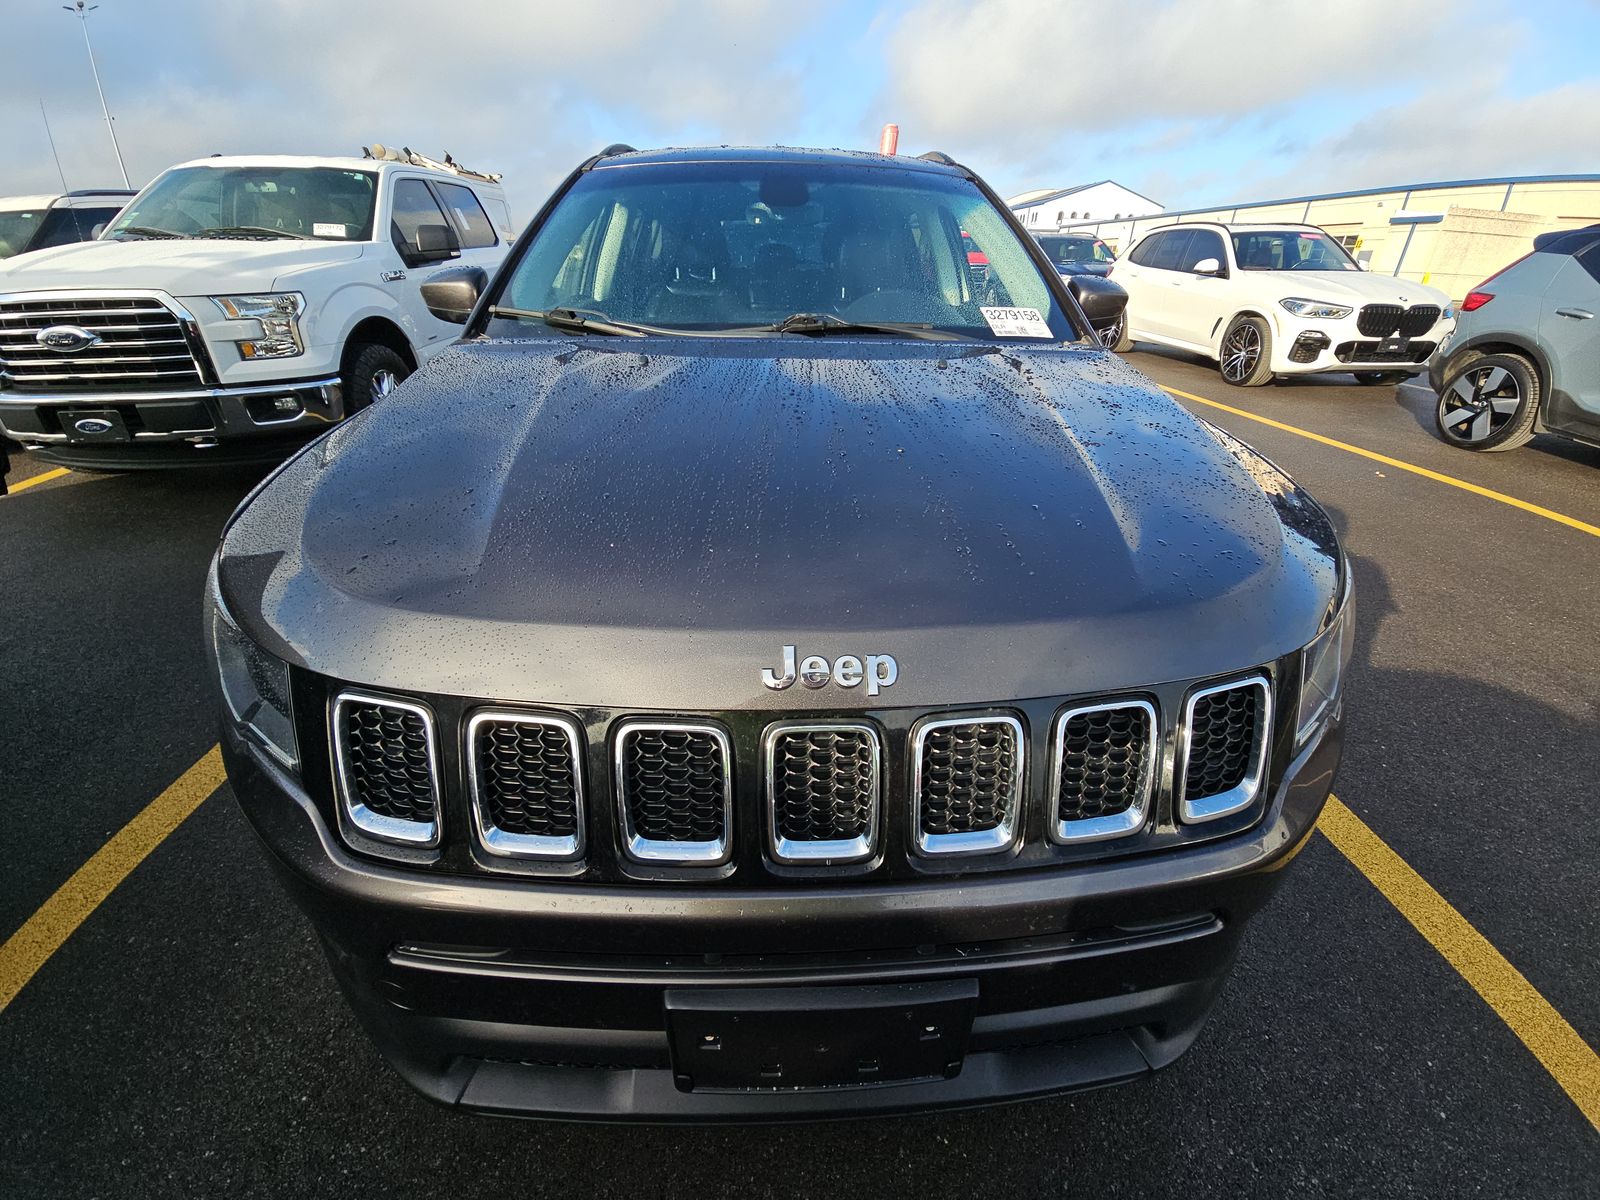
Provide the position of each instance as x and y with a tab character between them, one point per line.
1475	301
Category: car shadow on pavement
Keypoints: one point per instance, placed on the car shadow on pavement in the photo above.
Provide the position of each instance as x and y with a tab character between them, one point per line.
1420	400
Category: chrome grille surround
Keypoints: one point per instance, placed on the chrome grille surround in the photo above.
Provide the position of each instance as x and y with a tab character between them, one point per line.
1000	835
1192	805
695	739
145	341
505	843
852	848
401	764
1067	831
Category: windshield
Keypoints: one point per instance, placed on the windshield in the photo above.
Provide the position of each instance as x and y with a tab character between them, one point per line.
709	246
1077	250
309	202
17	228
1290	250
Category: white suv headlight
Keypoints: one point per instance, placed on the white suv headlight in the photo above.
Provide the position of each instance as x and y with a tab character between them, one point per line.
255	686
1324	310
279	317
1322	667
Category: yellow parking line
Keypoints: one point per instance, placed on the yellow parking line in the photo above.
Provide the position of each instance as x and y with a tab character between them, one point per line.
1436	476
1570	1060
30	947
23	485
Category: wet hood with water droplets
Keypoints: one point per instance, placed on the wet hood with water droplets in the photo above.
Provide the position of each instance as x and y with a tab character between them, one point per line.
647	525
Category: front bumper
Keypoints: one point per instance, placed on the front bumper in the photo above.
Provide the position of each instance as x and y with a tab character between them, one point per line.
537	998
200	426
1307	347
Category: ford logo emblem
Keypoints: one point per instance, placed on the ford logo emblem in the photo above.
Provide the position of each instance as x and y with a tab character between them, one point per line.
92	425
66	339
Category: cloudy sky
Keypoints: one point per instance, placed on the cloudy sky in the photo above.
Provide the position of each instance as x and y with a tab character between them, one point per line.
1189	101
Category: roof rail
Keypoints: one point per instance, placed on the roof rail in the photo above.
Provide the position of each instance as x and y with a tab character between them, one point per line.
616	148
940	157
103	192
405	154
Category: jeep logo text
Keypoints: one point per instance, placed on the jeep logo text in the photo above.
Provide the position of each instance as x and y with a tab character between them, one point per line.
877	670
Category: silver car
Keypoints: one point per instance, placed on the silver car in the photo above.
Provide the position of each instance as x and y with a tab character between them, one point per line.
1525	354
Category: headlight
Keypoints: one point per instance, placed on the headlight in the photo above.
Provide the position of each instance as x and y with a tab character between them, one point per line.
1322	667
1323	310
279	316
255	686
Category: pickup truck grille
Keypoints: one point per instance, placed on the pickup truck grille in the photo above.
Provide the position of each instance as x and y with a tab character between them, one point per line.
968	784
676	791
823	791
388	774
526	779
140	346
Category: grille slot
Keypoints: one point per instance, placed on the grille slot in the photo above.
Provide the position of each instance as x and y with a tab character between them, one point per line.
967	784
526	777
1418	320
388	768
822	792
1104	772
142	346
675	788
1379	320
1225	743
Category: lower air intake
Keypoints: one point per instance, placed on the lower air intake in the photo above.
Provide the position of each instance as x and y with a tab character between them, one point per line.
1105	770
1225	747
968	784
675	785
526	777
822	792
388	768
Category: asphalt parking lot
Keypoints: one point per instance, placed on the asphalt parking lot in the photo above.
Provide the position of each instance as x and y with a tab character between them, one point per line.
186	1039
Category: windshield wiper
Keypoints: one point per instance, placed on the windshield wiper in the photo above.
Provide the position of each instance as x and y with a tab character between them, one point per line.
822	324
147	231
245	231
582	320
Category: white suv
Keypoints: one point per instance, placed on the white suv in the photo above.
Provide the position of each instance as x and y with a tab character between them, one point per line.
236	307
1269	300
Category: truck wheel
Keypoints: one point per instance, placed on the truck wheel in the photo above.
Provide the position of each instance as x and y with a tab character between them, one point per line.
371	372
1489	403
1246	358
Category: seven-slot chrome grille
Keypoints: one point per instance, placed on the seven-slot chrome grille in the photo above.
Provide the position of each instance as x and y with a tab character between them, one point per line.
825	784
675	792
526	777
967	787
1104	771
822	792
387	768
1225	741
138	345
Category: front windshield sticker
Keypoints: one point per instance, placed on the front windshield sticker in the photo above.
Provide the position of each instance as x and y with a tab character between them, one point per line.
1016	322
326	229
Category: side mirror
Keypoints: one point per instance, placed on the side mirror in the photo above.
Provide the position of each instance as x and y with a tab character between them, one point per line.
1102	300
94	234
1207	266
435	243
453	293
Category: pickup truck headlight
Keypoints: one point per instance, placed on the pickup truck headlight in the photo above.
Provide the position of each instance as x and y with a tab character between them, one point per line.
279	317
1322	668
1322	310
255	686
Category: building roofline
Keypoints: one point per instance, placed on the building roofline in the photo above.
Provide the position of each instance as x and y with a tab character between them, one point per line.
1082	187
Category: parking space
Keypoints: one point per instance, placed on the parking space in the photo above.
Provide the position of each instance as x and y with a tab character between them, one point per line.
187	1038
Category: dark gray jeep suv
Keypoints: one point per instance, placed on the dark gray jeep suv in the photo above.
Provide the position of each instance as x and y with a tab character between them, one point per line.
766	671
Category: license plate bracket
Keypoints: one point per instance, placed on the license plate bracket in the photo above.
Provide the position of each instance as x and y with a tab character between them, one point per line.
749	1039
94	425
1395	345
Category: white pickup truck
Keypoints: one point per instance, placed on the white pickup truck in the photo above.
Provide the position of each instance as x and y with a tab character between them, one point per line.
236	307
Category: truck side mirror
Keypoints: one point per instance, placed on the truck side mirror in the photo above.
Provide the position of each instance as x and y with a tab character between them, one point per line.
435	243
453	293
1102	300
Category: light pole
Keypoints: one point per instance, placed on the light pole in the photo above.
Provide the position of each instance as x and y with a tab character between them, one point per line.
82	12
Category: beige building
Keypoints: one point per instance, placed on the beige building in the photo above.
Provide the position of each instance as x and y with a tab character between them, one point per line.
1450	235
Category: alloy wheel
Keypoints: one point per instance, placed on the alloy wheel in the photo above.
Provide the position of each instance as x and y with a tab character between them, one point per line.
1479	403
1111	335
383	382
1241	351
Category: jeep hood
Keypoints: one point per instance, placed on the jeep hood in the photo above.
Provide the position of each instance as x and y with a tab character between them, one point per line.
1358	287
591	521
179	267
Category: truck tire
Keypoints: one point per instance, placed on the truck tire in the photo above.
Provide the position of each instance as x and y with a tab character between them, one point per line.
371	372
1246	353
1489	403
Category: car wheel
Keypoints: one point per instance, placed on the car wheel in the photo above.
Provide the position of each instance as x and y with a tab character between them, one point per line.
371	372
1246	356
1377	378
1115	336
1489	403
